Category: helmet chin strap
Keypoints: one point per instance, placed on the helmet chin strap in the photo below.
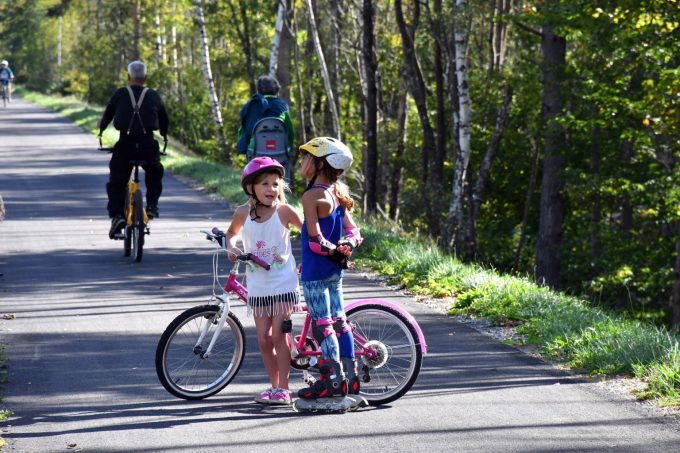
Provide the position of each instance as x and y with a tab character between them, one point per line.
253	209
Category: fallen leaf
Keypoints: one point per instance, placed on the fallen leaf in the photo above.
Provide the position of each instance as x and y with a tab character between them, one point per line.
9	316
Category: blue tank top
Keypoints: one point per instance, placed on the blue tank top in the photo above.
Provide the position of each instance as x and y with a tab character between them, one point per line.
318	267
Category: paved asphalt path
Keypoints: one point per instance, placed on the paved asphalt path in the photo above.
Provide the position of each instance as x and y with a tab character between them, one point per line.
81	348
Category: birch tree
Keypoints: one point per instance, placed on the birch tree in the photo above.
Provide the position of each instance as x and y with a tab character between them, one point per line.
274	57
455	216
215	106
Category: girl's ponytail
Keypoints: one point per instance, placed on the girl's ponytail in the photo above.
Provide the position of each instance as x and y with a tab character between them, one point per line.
342	192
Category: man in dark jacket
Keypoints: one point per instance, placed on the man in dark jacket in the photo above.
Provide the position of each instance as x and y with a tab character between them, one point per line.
136	112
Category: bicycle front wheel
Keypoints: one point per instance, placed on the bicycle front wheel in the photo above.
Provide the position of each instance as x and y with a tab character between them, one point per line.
390	357
138	227
127	240
181	362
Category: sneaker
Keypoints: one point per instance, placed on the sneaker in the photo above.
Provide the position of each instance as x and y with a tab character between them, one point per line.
152	212
281	396
117	224
265	397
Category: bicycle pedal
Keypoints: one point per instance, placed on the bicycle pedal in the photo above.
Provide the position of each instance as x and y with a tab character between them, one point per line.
119	236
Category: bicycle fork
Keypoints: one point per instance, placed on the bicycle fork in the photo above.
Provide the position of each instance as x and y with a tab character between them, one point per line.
198	349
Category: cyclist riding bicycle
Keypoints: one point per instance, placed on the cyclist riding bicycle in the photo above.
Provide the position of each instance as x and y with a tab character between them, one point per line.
136	112
6	76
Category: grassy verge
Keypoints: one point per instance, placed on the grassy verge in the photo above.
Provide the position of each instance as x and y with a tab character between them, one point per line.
564	328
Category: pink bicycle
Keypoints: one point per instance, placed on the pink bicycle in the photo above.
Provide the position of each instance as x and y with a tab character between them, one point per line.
203	348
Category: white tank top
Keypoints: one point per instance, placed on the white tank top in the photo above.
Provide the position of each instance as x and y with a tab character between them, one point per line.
270	241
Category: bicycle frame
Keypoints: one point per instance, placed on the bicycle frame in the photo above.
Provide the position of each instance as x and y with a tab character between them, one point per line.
298	349
133	186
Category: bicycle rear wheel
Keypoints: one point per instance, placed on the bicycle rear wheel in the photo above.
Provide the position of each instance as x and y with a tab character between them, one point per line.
138	227
181	364
398	355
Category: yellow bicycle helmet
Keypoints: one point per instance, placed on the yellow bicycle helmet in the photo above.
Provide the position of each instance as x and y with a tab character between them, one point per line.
336	153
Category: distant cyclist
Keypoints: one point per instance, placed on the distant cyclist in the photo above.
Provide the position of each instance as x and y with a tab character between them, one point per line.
136	112
6	76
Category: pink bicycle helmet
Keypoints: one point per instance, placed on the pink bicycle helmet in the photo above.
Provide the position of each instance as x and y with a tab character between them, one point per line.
256	167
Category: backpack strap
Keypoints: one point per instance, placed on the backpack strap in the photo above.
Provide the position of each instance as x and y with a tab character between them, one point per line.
135	108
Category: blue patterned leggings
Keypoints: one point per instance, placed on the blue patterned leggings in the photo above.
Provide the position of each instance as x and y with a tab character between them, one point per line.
326	307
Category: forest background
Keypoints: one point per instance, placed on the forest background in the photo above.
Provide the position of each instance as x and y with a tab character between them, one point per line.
536	137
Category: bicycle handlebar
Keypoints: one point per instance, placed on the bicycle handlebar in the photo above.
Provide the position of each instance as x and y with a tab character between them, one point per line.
220	237
107	149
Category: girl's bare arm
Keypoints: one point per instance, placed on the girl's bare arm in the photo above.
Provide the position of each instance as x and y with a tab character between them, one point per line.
234	229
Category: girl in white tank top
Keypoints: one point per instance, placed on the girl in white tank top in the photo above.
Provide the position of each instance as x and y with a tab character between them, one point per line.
263	225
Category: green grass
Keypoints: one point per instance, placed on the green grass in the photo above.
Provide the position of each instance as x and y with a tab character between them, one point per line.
565	329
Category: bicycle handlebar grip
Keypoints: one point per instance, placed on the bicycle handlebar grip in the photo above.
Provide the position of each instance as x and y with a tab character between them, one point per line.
219	235
263	264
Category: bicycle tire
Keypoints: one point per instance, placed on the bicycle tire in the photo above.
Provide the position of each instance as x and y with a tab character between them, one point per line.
400	357
179	365
4	96
138	227
127	240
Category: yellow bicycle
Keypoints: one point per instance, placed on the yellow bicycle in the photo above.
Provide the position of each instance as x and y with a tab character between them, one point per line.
136	218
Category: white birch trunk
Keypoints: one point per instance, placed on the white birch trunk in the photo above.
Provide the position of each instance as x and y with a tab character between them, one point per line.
274	58
159	41
59	41
461	35
207	73
324	72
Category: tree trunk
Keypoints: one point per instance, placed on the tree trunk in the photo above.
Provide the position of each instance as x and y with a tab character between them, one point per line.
676	282
212	93
300	93
548	261
136	28
371	126
485	168
439	154
244	36
334	55
309	75
285	56
278	28
158	54
596	208
527	205
498	34
397	173
419	93
335	132
456	215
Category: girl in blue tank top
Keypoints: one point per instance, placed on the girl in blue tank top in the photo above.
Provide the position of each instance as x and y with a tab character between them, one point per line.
328	237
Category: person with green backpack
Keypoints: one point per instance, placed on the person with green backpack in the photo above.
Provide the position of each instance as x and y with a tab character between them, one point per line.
266	104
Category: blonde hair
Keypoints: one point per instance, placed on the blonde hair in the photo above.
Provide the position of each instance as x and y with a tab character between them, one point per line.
342	192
